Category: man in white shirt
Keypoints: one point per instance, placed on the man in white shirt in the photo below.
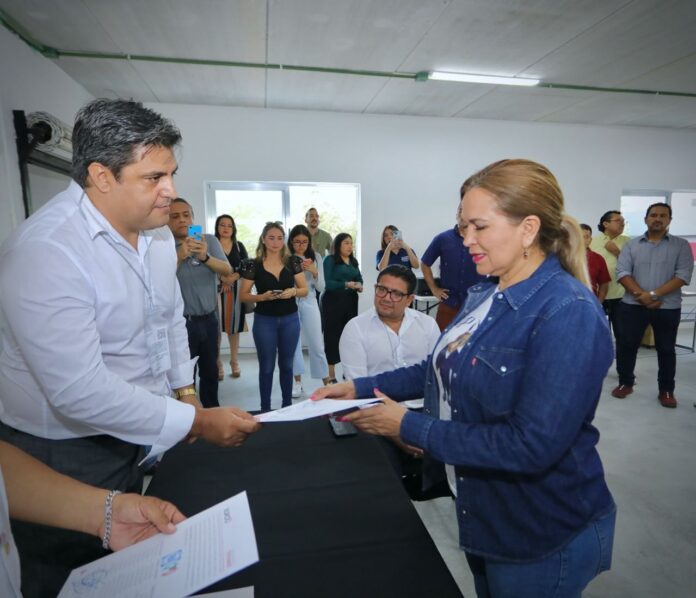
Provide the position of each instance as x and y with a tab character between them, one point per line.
389	335
91	318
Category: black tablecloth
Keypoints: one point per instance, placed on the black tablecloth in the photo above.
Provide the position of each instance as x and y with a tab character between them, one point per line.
331	517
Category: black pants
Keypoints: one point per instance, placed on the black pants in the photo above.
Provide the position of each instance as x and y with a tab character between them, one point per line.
202	338
611	308
634	320
338	308
48	554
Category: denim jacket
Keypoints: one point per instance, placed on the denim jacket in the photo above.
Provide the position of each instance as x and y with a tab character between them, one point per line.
524	395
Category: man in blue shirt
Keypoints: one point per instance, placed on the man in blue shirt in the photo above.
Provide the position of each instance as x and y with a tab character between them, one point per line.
652	268
457	271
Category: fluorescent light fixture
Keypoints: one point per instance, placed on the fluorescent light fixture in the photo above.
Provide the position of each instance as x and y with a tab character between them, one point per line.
490	79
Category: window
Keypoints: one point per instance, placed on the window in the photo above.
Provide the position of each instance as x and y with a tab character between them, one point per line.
634	204
683	213
252	204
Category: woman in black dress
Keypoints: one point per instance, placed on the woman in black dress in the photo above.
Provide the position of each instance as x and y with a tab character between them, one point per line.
232	310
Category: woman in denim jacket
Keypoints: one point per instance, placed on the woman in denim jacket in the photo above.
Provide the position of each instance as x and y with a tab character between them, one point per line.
510	394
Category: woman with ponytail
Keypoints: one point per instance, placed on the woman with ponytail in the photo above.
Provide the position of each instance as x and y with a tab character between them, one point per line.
510	394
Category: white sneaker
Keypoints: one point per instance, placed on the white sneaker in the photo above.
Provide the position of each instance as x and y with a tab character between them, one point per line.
297	390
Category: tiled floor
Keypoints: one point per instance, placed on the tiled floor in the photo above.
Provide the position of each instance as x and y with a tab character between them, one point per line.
649	454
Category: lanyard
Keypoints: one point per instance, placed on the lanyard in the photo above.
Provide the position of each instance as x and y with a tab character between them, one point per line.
144	273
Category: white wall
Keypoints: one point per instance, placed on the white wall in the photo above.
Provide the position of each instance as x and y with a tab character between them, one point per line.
411	168
29	82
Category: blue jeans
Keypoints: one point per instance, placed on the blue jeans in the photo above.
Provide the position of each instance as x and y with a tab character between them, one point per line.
564	574
275	335
634	320
202	337
310	320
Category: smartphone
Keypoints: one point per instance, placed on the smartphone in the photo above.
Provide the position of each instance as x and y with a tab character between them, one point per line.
396	235
277	291
195	231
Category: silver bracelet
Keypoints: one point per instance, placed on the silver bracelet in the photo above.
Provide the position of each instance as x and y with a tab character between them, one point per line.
108	513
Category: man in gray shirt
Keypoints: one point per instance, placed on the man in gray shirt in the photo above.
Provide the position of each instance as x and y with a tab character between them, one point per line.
652	268
199	263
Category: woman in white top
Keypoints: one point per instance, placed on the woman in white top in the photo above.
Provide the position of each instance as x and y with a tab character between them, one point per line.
308	308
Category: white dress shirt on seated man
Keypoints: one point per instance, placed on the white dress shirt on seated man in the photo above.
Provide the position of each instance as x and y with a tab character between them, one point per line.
369	347
82	328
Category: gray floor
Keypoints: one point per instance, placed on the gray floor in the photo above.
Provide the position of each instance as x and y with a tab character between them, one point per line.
649	455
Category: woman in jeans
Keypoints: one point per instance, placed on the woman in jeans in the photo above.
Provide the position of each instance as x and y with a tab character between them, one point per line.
340	300
279	279
299	243
509	402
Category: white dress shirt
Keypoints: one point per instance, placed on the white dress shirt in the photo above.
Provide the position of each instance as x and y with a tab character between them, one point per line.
75	302
369	347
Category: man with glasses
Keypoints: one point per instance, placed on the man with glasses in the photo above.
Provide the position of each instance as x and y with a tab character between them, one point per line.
609	244
389	335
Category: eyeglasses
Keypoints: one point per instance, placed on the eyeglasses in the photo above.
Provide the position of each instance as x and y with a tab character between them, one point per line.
394	295
298	242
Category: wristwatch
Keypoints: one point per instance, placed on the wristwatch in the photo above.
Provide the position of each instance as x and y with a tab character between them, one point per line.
654	296
205	259
184	392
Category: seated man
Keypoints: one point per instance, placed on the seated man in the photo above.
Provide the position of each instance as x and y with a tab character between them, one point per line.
386	337
389	335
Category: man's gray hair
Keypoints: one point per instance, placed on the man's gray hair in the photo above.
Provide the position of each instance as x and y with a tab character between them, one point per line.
111	131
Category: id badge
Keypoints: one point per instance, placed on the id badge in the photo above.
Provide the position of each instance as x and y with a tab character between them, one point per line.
157	341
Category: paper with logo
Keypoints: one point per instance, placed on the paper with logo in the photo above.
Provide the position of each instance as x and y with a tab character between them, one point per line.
204	549
309	408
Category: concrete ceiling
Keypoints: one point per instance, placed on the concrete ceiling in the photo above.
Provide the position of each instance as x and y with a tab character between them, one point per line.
619	44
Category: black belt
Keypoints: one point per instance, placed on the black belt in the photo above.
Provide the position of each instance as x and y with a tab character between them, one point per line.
197	318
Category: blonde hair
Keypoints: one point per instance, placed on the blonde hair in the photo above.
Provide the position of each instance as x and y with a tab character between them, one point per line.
525	188
261	248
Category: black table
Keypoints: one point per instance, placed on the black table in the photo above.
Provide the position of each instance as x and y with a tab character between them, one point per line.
332	518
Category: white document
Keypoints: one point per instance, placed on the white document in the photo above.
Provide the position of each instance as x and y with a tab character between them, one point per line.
309	408
204	549
238	593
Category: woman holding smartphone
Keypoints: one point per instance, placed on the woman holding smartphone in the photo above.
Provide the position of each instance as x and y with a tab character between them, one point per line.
340	300
395	251
279	279
300	245
232	319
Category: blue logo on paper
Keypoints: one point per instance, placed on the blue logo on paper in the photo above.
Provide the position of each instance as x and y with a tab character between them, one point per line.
169	562
90	582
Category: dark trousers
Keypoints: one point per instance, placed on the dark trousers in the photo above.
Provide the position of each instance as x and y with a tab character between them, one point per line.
48	554
275	335
445	315
611	308
634	319
338	308
202	338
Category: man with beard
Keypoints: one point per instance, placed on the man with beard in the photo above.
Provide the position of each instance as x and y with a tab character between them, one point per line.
321	240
